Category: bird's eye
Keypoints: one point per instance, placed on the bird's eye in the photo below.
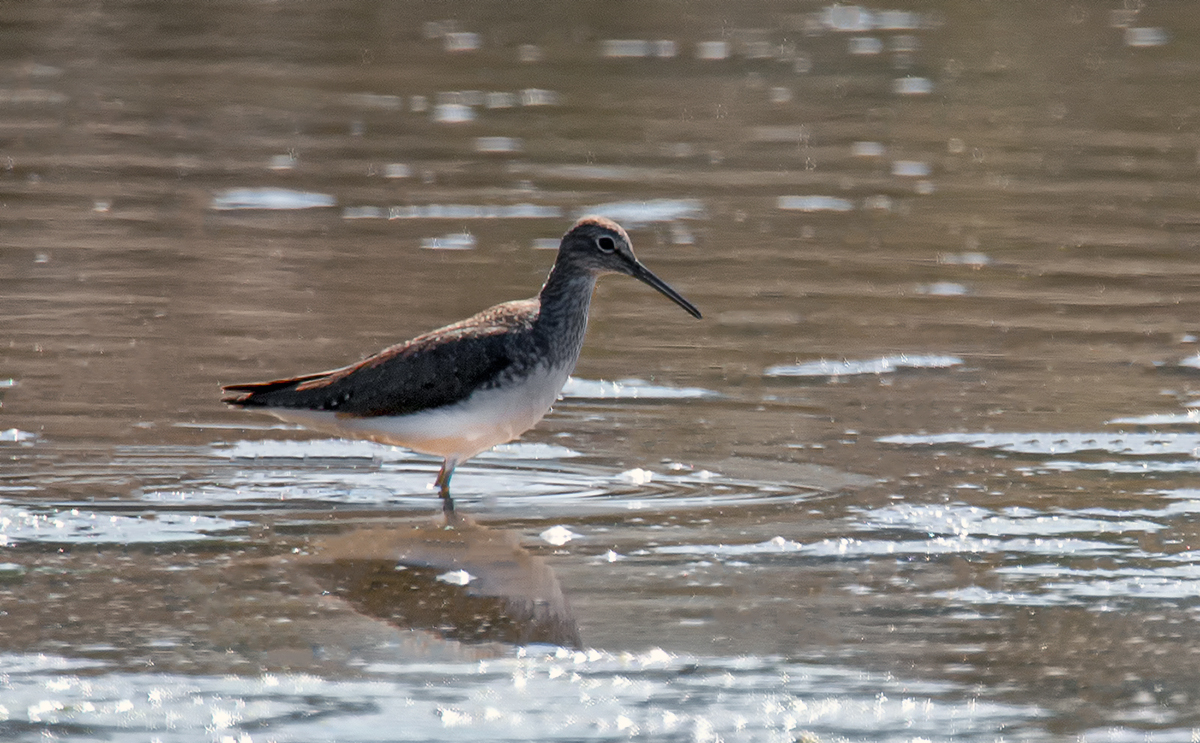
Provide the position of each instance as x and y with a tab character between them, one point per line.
606	244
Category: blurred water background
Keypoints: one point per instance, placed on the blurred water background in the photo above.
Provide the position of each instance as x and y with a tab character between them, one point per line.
929	469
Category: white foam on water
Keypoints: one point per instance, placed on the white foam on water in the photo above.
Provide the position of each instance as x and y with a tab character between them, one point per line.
78	526
17	436
848	18
852	547
314	448
1146	36
1059	443
972	259
630	389
539	97
865	45
639	213
867	149
1190	417
528	450
451	241
814	204
712	50
270	198
912	86
462	41
652	695
499	144
943	289
961	520
1134	467
476	211
456	577
773	546
637	476
453	113
557	535
911	168
396	170
625	48
882	365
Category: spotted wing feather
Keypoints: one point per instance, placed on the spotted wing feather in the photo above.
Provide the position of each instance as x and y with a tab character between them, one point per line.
439	368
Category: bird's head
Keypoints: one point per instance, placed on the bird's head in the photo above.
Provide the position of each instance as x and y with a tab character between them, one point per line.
599	245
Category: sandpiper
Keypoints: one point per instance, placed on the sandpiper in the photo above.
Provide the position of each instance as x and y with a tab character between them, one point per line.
462	389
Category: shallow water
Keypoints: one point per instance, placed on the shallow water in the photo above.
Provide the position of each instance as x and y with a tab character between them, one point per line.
927	469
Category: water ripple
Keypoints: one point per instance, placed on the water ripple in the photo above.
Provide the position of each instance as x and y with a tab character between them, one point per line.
550	695
631	389
1058	443
82	526
882	365
270	198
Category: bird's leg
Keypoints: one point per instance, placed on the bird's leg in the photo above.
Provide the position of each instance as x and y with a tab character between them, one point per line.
443	483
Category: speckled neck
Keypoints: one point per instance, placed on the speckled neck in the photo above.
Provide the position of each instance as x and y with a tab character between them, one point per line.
563	315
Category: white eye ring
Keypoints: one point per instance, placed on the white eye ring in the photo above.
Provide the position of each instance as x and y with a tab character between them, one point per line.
606	244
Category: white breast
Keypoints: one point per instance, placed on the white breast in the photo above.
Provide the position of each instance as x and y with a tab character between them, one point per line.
459	431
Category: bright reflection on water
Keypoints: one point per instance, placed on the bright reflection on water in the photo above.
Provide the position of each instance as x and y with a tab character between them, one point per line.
927	470
824	368
539	693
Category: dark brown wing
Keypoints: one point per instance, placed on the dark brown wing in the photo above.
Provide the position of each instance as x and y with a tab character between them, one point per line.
432	370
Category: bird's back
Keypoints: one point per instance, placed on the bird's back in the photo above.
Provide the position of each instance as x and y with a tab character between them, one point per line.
433	370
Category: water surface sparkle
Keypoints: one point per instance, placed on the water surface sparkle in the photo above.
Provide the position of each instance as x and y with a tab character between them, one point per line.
927	470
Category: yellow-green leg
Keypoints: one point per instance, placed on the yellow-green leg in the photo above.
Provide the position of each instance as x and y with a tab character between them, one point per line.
443	483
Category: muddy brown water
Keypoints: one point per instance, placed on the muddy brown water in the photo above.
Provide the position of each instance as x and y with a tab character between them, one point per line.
927	469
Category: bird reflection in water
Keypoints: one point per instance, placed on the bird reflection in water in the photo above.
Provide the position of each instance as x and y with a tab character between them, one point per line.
456	578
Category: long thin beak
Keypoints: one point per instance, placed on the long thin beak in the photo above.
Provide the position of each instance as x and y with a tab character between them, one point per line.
641	273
